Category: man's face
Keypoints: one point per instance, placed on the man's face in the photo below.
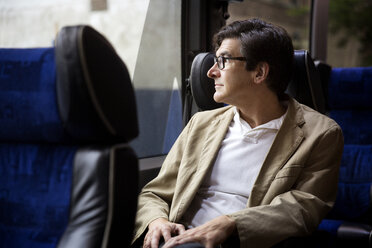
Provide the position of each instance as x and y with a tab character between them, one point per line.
233	82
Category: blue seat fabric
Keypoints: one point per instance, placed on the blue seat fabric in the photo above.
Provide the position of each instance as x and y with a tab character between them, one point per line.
350	102
34	193
28	105
35	177
350	88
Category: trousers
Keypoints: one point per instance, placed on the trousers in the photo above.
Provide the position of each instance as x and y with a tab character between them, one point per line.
188	245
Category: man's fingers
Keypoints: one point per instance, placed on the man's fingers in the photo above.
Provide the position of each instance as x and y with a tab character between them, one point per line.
155	240
174	229
170	243
166	234
180	229
147	241
158	233
161	228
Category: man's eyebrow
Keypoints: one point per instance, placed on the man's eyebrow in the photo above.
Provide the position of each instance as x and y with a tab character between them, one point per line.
224	54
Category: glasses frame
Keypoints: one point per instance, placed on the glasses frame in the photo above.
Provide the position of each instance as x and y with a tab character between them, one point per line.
222	59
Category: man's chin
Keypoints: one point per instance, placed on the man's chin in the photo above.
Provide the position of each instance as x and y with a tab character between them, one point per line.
217	98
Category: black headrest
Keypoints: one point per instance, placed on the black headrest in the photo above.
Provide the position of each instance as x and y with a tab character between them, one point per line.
324	72
202	87
95	95
306	86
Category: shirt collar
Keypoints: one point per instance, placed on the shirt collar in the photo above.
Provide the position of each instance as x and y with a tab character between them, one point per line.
273	124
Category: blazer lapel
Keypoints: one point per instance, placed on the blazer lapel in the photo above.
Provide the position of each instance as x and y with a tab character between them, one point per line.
288	139
212	143
216	134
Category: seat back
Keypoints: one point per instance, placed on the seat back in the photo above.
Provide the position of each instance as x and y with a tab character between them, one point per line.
349	224
350	103
67	175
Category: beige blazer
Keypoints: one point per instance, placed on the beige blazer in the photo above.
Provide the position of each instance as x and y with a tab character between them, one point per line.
294	190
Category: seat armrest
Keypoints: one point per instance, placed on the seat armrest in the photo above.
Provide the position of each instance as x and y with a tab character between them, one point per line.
356	231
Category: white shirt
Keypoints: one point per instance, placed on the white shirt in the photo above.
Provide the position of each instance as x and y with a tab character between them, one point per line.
227	186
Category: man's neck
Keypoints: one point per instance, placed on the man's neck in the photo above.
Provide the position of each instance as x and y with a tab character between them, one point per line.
261	111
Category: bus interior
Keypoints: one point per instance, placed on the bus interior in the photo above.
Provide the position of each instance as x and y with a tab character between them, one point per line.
94	93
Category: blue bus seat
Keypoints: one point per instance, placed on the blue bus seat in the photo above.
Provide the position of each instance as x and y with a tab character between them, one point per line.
67	175
350	105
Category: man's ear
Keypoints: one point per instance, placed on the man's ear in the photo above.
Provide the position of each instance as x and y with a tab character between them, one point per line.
262	71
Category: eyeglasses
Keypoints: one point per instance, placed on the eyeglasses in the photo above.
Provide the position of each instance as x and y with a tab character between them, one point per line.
221	60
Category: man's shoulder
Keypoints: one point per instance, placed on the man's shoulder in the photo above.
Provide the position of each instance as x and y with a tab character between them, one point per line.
204	119
316	120
208	115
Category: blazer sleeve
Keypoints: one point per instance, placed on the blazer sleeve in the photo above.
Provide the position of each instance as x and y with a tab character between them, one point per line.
299	211
156	197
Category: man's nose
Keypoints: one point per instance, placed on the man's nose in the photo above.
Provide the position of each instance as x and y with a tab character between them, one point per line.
213	72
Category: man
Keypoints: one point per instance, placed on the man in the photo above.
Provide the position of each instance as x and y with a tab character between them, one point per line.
262	169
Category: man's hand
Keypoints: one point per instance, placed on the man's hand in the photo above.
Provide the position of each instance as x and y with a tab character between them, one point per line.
210	234
161	228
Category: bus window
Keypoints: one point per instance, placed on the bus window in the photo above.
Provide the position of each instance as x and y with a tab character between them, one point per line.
25	24
157	77
350	33
293	15
145	33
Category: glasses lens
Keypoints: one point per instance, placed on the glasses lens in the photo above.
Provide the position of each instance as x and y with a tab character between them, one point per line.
220	62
